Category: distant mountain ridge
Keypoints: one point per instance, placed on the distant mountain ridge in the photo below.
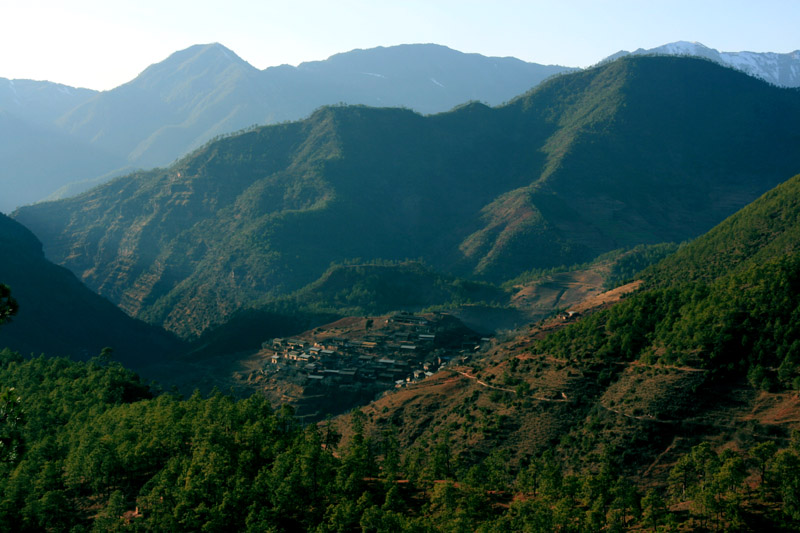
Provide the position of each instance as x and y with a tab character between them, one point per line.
195	94
782	70
41	102
626	153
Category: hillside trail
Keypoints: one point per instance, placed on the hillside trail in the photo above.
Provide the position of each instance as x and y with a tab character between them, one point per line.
488	386
482	383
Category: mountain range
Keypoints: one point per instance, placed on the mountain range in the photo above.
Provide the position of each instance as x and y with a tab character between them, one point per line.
62	136
63	140
639	150
668	402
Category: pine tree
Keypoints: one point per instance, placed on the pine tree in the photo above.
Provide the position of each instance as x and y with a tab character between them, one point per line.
653	509
8	305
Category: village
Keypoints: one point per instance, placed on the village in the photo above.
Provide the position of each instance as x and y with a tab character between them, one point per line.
357	358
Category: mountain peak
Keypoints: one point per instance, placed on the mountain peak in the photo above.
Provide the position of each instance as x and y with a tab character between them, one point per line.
685	45
211	50
201	50
197	60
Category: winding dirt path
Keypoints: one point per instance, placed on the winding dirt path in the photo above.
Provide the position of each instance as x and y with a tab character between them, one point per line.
488	386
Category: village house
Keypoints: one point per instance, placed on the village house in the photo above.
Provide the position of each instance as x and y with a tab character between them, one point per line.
405	352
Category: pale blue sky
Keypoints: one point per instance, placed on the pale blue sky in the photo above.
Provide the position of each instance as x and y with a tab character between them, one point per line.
103	43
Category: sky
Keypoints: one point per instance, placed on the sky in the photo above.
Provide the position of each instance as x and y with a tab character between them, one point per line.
101	44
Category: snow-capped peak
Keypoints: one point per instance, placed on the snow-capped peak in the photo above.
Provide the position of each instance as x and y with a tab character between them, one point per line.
683	47
775	68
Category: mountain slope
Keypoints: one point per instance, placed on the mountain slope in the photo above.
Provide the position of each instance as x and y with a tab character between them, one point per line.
59	316
37	159
40	102
170	107
782	70
635	126
706	352
206	90
586	163
726	302
765	230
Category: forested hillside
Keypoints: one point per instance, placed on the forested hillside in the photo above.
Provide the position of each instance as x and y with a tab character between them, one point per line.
88	447
764	231
690	380
642	150
726	302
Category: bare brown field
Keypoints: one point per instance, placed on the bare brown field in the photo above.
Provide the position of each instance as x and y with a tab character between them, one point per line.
776	408
558	291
